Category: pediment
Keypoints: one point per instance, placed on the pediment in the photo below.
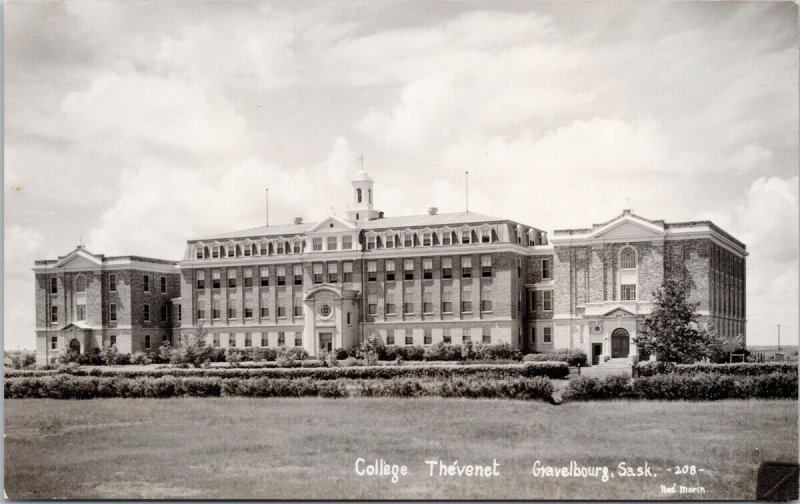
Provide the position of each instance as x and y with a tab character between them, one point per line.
332	224
628	228
619	311
79	259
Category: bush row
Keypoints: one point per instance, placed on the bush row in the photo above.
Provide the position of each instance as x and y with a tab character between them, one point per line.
741	369
557	370
701	386
530	388
573	357
89	387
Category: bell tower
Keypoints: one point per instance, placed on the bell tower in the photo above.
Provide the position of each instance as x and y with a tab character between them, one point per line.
362	209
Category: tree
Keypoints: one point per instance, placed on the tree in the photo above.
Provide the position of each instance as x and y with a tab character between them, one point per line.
672	331
192	349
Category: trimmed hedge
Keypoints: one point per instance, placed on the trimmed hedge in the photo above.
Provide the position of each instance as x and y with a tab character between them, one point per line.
573	357
557	370
739	369
697	387
527	389
65	386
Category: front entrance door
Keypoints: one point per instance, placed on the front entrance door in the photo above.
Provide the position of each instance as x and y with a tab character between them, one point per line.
326	341
597	349
620	343
75	345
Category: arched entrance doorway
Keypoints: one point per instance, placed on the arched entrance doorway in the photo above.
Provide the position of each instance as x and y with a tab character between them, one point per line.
75	345
620	343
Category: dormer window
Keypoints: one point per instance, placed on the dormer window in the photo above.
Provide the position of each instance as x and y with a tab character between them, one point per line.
215	251
466	236
247	250
427	239
232	250
297	247
389	241
486	236
447	237
371	242
408	239
262	248
199	251
281	247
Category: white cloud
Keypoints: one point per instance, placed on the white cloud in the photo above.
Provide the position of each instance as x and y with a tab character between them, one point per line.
21	246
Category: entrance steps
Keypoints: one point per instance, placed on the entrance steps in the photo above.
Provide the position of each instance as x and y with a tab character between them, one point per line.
619	366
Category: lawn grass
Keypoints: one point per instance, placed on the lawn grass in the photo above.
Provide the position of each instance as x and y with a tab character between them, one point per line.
239	448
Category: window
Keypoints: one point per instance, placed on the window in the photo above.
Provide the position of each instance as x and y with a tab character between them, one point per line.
112	283
466	267
390	336
215	279
281	311
80	284
164	339
198	251
519	301
447	301
408	239
180	312
112	312
298	339
486	300
298	305
280	272
281	338
427	269
232	340
264	307
216	311
298	274
408	303
487	338
146	280
215	251
547	300
428	336
347	272
332	243
532	301
280	247
466	301
465	336
112	340
264	271
390	308
347	242
427	302
486	236
316	244
333	272
388	241
248	277
248	308
232	308
372	271
533	334
146	312
247	250
427	239
163	313
349	318
216	340
408	267
201	310
54	314
317	273
372	304
201	280
390	270
447	267
231	278
486	266
248	339
519	267
545	269
371	242
263	339
80	312
446	338
627	260
147	341
466	236
627	292
262	248
232	250
297	247
163	285
409	339
447	238
547	334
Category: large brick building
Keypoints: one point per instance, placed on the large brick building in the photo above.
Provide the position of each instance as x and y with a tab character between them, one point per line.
444	277
85	301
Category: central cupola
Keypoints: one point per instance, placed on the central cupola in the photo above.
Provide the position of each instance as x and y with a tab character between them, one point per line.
361	209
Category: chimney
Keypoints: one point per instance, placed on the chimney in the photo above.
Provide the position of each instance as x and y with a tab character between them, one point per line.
432	210
298	220
380	215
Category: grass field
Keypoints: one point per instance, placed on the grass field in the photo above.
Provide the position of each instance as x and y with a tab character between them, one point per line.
306	448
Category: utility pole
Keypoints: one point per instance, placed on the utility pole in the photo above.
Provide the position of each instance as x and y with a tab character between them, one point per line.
779	337
267	205
466	173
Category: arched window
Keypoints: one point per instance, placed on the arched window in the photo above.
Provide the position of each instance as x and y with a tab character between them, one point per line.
369	193
80	284
358	195
627	259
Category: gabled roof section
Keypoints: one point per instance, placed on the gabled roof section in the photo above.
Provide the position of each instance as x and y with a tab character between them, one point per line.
626	226
618	310
332	224
256	232
80	257
77	325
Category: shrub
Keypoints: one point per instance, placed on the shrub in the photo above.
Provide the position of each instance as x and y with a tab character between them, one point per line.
442	352
572	357
192	350
140	358
550	369
22	359
651	368
234	356
341	353
370	350
741	369
498	351
534	388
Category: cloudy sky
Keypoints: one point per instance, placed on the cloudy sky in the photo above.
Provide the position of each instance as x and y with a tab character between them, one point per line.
139	125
